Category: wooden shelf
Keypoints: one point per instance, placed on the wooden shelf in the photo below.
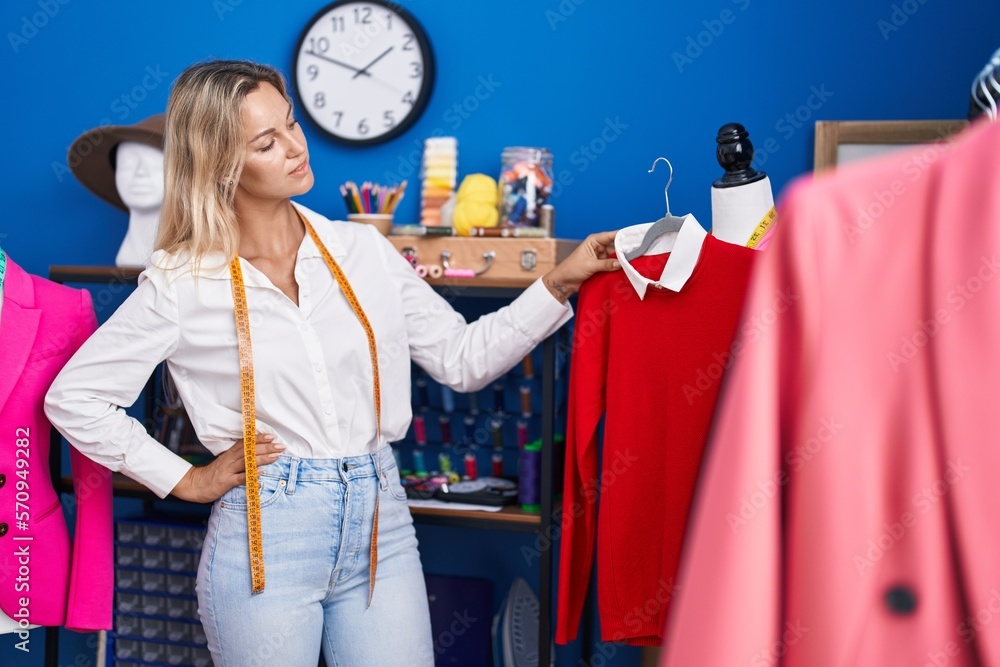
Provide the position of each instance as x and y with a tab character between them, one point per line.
93	274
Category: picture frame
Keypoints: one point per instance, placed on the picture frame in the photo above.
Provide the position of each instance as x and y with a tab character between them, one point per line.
839	141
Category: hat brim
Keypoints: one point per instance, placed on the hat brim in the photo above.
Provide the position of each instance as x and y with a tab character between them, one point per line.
89	156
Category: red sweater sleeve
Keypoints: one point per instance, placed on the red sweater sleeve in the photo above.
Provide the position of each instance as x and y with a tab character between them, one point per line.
588	364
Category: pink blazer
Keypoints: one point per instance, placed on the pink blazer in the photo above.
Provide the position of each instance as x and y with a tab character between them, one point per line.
849	506
42	324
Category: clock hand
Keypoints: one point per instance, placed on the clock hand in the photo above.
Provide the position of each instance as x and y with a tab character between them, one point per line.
337	62
364	70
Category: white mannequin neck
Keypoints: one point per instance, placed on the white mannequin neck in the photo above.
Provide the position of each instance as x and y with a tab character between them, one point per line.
140	237
737	211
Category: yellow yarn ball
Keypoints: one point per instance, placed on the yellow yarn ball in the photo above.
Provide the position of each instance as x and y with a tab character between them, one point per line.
478	188
474	214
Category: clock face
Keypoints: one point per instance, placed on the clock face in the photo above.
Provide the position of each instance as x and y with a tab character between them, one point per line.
363	71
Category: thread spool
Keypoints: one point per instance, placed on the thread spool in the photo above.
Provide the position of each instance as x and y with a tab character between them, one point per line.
423	398
525	400
498	396
435	271
418	462
470	466
470	427
444	422
420	430
447	399
547	220
497	464
459	273
444	462
421	270
522	433
474	403
529	485
529	368
496	430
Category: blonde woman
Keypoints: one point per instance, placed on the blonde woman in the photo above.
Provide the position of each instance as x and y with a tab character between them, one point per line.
323	302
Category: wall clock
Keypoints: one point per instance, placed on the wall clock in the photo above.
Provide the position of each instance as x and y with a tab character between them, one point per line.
363	71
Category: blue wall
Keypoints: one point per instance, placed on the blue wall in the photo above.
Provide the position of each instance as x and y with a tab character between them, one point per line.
655	78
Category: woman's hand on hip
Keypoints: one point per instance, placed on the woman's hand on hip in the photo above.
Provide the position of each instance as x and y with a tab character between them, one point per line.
590	257
208	483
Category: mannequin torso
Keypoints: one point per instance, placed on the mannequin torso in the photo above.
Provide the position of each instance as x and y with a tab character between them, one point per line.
736	211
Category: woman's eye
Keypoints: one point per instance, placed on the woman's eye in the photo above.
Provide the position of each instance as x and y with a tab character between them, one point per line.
267	148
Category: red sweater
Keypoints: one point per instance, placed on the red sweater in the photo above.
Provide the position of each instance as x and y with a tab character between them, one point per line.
654	366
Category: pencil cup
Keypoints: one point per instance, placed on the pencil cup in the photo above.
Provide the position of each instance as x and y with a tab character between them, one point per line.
381	221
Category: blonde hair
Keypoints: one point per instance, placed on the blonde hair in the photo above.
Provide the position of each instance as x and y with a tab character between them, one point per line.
203	155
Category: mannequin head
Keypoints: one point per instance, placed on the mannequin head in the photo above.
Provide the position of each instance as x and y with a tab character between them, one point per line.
139	176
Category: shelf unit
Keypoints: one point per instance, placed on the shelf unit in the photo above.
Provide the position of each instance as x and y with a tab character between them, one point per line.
508	519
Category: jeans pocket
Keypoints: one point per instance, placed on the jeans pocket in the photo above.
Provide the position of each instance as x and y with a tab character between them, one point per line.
392	478
271	489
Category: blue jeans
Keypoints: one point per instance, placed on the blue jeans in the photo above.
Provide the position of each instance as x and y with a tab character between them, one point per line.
317	520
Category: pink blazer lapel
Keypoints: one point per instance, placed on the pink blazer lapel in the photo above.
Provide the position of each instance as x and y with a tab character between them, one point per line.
18	326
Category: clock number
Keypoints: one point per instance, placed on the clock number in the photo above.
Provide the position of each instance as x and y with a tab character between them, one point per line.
363	126
366	11
408	98
323	43
418	69
313	72
339	115
388	20
338	24
408	41
320	100
389	120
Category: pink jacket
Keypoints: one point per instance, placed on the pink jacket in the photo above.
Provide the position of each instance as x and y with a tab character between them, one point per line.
848	505
41	326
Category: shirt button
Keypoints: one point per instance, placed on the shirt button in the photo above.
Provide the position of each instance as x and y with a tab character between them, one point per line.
328	410
317	368
901	600
303	327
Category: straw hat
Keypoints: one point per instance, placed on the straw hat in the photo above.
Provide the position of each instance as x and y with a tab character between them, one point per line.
90	155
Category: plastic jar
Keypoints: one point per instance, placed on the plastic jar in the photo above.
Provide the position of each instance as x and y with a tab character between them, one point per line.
525	185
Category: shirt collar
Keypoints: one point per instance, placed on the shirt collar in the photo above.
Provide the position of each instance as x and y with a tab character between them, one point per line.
683	255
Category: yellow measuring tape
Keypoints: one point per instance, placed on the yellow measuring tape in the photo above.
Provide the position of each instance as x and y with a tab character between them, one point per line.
249	409
762	227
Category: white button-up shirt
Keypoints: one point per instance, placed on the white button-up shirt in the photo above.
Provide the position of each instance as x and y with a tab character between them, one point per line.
312	366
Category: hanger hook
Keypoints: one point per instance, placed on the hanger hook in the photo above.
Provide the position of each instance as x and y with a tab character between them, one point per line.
666	197
989	103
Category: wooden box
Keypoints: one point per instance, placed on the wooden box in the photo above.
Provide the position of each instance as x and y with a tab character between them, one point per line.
515	262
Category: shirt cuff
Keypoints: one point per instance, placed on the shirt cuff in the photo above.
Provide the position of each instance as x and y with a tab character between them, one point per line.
538	314
155	467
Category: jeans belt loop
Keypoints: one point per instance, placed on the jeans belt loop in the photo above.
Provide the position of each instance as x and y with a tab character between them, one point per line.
293	474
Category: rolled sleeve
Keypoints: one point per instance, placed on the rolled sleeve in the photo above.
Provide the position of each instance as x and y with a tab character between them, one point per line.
538	314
